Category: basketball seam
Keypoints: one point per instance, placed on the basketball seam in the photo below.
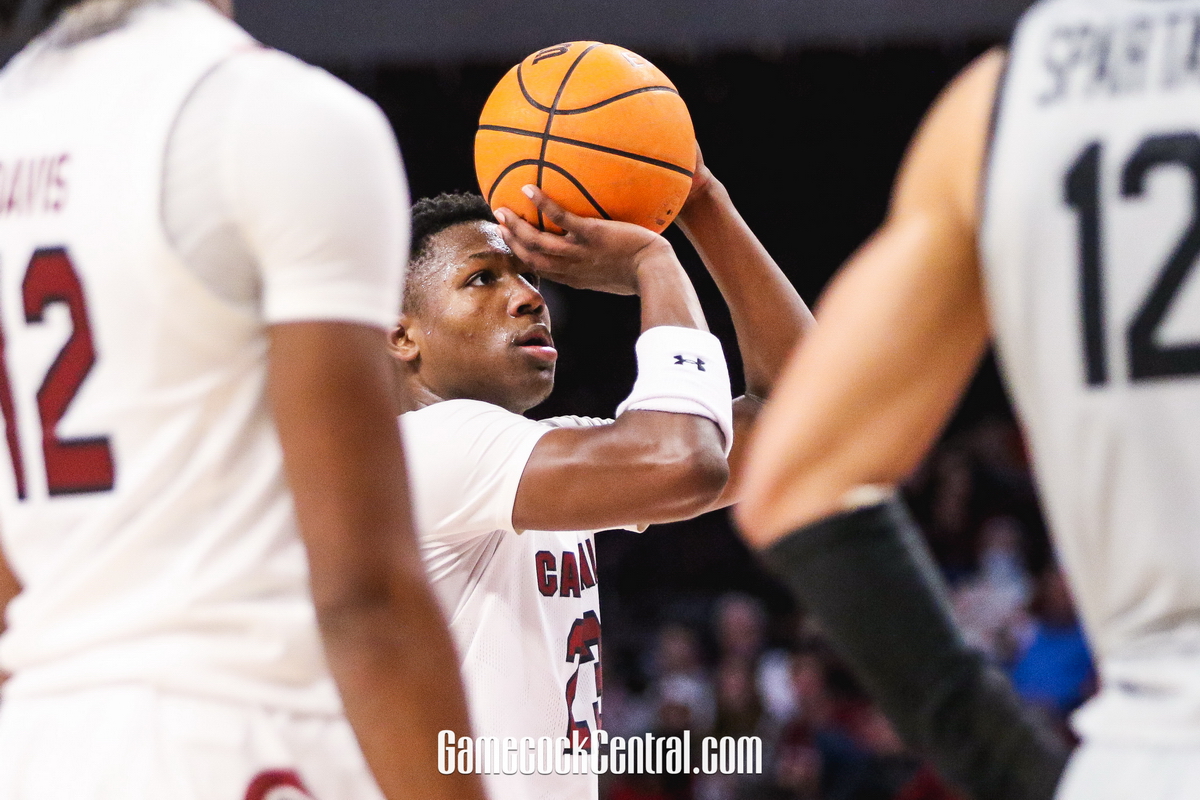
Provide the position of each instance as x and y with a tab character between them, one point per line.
590	146
529	162
562	87
528	96
568	111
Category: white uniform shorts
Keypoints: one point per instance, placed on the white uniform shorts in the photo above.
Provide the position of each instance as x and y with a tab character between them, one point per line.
138	743
1132	772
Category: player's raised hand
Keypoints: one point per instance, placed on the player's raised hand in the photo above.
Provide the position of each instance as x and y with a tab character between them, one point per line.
597	254
702	177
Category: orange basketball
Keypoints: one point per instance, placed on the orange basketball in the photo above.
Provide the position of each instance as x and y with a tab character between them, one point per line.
600	129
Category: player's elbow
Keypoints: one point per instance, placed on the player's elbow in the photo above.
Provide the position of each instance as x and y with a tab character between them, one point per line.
691	479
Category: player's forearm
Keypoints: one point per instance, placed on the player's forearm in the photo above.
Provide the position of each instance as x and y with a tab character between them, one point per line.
667	294
397	672
647	467
386	643
767	313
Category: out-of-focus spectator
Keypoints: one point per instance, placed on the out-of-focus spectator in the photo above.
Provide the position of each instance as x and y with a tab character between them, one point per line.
837	745
677	652
989	604
739	708
685	702
740	627
1053	669
775	685
950	531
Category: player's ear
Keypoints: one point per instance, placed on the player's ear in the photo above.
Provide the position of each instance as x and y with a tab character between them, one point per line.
401	344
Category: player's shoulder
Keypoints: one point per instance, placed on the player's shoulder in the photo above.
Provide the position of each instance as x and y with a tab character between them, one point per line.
444	418
269	81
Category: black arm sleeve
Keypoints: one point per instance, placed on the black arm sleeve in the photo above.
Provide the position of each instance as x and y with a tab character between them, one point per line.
868	579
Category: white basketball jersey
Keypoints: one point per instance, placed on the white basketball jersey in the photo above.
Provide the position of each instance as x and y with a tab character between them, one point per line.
1090	242
524	608
142	502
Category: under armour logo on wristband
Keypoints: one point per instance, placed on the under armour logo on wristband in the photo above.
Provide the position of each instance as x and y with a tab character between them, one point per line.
699	362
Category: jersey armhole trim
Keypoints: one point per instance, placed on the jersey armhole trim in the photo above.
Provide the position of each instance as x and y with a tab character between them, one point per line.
989	144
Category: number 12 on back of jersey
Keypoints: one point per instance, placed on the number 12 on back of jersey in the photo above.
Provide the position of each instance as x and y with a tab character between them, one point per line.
1148	360
73	466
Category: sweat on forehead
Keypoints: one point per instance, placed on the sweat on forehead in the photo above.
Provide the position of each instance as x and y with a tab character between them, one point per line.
447	251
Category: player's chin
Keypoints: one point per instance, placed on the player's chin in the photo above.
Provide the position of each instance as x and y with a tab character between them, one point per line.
536	385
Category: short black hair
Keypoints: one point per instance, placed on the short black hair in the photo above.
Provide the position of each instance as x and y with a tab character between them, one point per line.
431	216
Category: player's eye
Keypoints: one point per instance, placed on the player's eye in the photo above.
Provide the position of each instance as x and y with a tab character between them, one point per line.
533	279
482	278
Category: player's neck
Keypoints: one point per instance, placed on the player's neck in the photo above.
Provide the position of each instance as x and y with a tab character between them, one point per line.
412	394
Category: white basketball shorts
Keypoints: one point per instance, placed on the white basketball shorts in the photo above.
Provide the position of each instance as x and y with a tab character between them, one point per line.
138	743
1112	771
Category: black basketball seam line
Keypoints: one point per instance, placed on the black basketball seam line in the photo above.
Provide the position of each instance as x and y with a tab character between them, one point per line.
591	146
578	185
525	162
562	87
529	162
569	111
528	96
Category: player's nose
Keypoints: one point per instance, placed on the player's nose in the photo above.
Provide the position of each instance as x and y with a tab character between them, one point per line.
525	299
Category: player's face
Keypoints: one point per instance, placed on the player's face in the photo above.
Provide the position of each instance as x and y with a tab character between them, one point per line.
482	328
224	6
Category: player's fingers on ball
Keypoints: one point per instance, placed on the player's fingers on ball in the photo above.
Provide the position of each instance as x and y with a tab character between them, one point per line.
551	210
530	238
515	230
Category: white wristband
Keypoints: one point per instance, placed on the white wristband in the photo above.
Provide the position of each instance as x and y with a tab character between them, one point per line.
682	371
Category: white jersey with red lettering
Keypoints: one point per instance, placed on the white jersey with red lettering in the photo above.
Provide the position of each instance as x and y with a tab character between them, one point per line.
1090	242
142	500
522	605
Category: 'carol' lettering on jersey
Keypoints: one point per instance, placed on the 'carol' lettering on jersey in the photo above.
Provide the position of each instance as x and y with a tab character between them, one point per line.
568	574
33	185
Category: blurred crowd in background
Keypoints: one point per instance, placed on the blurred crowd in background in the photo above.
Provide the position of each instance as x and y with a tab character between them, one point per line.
749	663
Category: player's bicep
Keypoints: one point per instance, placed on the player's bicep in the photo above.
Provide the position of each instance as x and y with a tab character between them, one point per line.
646	467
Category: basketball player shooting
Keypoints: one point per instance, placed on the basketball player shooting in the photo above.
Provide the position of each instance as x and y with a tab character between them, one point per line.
507	506
1073	246
201	245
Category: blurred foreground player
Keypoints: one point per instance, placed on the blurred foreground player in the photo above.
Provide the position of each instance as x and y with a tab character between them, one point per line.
507	506
201	245
1075	246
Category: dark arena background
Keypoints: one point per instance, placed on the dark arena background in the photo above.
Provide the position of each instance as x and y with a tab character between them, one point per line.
803	109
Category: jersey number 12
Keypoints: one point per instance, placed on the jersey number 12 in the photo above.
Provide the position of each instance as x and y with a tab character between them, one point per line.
1147	358
73	466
